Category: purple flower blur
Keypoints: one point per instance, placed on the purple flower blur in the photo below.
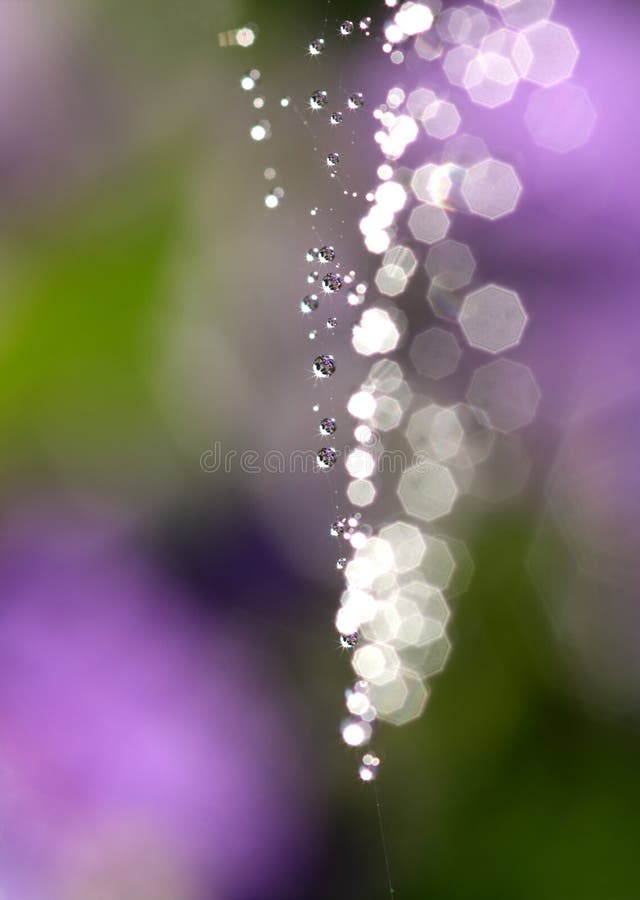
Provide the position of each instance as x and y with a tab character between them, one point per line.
141	754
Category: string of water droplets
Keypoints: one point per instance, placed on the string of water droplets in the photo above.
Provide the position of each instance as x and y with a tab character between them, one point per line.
393	615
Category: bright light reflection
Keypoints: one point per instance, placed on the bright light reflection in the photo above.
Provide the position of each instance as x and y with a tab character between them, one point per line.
414	18
362	405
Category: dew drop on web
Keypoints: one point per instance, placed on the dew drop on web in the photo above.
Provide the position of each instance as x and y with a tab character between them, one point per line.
331	283
316	47
309	303
318	99
328	426
349	641
326	254
327	457
324	365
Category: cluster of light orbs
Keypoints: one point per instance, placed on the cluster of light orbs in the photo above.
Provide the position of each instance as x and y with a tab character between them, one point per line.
393	612
397	577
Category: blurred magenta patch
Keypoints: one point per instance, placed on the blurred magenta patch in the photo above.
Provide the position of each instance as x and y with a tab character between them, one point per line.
142	751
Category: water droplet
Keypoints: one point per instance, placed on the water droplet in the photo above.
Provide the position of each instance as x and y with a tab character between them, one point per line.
346	28
318	99
309	303
314	211
258	102
248	82
271	201
337	528
326	457
312	254
331	283
341	563
336	118
285	102
316	47
316	407
333	159
349	641
312	276
313	335
355	101
328	426
324	365
326	254
365	23
332	323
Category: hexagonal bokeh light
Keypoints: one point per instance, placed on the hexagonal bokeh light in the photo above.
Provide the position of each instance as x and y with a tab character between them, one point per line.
442	120
452	263
420	102
414	18
376	663
432	184
463	25
427	491
361	492
456	63
429	659
493	319
402	702
560	118
407	544
375	333
428	224
394	615
554	53
522	13
445	304
391	280
506	392
388	414
511	44
435	353
490	79
491	189
403	257
385	375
